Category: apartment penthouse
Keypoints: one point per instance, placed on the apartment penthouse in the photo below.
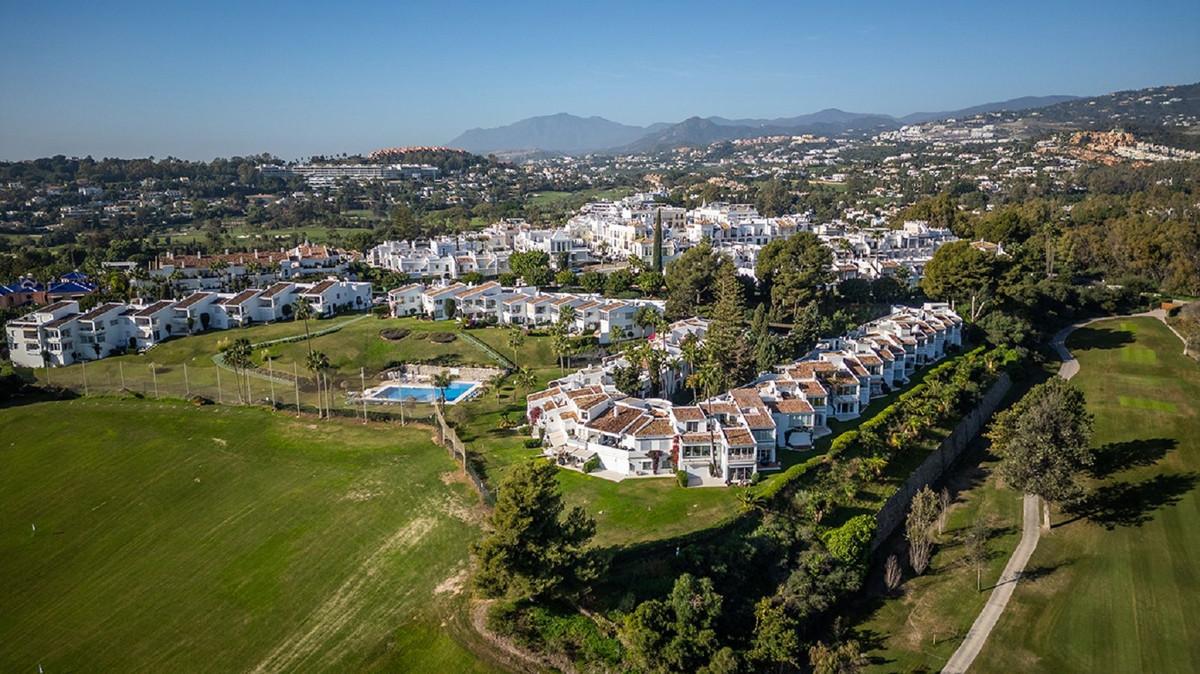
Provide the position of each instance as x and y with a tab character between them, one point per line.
609	320
59	334
730	437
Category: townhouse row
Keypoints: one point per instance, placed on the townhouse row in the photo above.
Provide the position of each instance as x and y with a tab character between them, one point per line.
60	334
609	320
728	438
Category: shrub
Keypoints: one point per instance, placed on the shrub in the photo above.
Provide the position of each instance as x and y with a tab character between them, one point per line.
394	334
850	542
592	465
533	443
442	337
681	478
756	477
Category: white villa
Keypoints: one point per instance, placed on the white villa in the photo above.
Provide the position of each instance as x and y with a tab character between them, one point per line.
65	335
730	437
260	267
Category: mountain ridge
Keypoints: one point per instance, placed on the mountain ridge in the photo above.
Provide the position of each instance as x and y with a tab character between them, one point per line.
566	133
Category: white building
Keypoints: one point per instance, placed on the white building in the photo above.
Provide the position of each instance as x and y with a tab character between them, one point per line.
59	334
730	437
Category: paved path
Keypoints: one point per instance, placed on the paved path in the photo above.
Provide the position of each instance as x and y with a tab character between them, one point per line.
977	636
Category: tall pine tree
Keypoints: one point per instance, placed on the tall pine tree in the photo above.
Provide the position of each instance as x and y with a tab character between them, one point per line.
658	241
726	339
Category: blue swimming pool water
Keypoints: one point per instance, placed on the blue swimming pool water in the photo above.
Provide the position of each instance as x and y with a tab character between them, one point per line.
423	394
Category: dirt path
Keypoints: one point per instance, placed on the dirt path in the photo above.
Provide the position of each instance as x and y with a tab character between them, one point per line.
977	636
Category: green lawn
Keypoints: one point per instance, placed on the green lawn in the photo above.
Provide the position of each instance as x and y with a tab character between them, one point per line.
134	371
360	346
918	627
1119	581
176	538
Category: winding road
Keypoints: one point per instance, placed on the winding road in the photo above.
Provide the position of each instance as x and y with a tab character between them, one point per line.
977	636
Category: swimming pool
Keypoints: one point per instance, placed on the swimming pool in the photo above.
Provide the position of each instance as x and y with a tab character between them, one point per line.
455	392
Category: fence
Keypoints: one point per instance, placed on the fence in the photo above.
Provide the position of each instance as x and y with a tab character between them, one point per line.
458	452
935	465
202	378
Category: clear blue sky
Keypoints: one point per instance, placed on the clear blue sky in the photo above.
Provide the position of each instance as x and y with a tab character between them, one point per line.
199	80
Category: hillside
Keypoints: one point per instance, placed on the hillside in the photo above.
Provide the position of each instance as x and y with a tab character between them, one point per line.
554	133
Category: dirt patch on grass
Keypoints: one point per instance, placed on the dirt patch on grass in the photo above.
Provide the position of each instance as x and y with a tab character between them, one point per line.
454	584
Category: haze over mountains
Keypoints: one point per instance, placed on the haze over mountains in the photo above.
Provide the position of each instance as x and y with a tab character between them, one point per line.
570	134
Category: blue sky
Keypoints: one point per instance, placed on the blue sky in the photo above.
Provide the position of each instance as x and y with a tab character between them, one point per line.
199	80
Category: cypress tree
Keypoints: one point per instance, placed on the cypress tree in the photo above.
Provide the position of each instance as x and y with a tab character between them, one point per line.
658	241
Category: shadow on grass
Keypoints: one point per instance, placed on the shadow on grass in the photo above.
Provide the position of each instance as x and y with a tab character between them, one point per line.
1131	504
1117	456
1100	338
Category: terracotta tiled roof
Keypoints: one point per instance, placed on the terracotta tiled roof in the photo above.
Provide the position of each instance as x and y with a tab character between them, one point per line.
792	406
615	420
688	413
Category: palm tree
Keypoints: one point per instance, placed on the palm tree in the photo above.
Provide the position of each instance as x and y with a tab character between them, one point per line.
525	378
516	337
238	356
302	311
442	381
692	354
317	363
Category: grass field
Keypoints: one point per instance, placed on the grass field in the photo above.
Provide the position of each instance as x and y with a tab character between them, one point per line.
1119	589
360	346
254	235
919	627
176	538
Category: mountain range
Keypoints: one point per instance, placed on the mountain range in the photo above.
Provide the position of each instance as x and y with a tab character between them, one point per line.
570	134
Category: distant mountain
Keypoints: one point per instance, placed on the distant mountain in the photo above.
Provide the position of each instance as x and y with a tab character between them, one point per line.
569	134
828	116
553	133
1013	105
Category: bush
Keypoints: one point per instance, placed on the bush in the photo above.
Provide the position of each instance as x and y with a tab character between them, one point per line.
592	465
850	542
756	477
533	443
394	334
442	337
681	478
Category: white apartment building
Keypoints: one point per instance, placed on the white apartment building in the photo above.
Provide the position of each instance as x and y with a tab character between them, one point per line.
610	320
728	438
59	334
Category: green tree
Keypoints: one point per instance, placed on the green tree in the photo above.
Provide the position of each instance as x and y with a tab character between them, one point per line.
1043	442
658	242
239	356
767	353
535	547
532	265
317	363
962	274
776	635
794	272
565	278
923	513
844	658
302	311
619	281
592	281
726	337
676	635
691	281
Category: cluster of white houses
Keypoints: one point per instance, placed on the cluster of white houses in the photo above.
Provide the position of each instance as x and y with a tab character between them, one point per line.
728	438
609	320
60	334
218	271
624	230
